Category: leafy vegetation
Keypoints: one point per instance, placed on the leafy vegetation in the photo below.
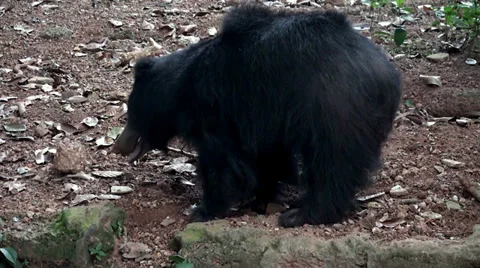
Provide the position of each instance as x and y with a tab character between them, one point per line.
180	262
8	258
97	252
118	228
463	15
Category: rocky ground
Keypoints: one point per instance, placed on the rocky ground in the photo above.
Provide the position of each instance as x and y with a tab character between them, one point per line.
65	74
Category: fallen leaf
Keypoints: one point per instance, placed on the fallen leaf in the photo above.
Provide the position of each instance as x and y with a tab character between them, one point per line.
90	121
115	132
120	189
133	250
15	127
41	80
44	155
147	26
82	198
108	197
14	187
116	23
23	29
431	80
104	141
66	128
107	174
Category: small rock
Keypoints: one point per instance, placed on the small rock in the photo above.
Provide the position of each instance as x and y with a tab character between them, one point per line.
212	31
67	108
40	131
74	86
119	95
167	221
70	157
338	226
77	99
116	23
438	57
439	169
452	163
470	61
189	40
121	190
46	88
453	205
463	122
147	26
431	215
187	28
398	190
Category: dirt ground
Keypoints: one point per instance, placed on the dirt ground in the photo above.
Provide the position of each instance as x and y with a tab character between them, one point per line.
431	203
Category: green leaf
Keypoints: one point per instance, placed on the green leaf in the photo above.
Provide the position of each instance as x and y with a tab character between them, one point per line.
99	247
176	258
10	254
409	103
399	36
18	264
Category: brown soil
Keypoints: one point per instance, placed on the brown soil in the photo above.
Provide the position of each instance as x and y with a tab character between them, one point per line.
410	155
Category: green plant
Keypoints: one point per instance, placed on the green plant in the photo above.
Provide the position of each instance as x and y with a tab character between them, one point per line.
399	9
463	15
180	262
118	228
8	258
97	252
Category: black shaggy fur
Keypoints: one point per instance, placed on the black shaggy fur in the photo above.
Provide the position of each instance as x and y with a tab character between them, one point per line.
272	85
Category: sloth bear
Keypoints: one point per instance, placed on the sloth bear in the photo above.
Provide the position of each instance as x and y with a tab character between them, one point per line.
272	87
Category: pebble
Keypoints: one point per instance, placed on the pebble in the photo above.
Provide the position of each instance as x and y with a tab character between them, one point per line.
398	190
452	163
439	169
338	226
70	157
120	189
431	215
167	221
453	205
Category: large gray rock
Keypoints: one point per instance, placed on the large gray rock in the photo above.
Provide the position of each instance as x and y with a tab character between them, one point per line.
217	244
70	235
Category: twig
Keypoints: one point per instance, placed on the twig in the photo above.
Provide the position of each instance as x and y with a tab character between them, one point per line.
181	151
403	115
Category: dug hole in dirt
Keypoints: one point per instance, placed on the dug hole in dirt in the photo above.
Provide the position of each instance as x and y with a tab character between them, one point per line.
65	76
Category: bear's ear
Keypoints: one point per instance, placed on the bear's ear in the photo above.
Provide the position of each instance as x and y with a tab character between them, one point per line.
143	66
